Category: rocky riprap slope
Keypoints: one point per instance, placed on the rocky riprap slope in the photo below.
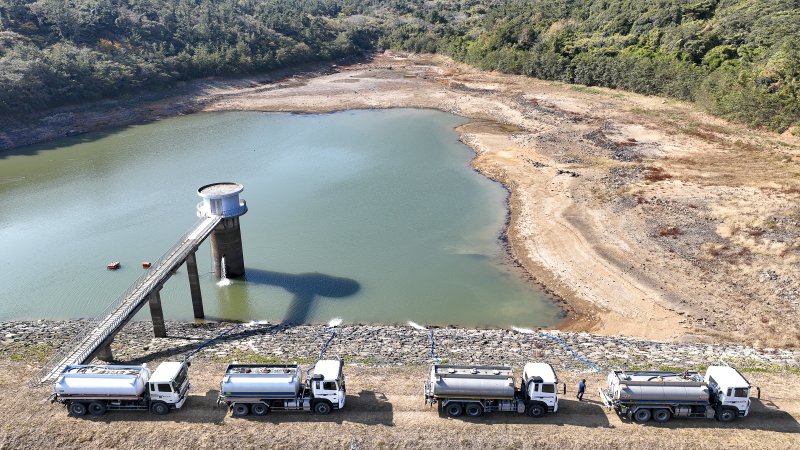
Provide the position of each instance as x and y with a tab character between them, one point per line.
387	345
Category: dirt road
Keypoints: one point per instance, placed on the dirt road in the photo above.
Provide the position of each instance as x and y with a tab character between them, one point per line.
385	409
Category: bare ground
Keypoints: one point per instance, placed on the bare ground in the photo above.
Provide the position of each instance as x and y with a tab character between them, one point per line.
385	409
646	216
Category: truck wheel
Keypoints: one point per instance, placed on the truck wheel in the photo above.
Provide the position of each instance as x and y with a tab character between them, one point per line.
727	415
454	409
642	415
97	408
474	410
240	409
322	408
536	410
77	409
260	409
662	415
159	408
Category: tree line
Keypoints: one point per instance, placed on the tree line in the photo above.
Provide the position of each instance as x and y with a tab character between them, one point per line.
739	59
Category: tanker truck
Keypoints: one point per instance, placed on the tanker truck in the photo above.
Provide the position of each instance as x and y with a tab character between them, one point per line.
643	395
475	390
260	388
100	388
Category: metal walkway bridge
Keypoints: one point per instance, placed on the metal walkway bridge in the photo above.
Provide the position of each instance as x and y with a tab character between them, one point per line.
83	347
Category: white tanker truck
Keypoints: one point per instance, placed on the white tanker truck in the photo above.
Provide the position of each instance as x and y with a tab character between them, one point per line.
260	388
641	395
100	388
475	390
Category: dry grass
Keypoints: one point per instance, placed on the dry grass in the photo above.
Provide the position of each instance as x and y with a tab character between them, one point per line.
653	174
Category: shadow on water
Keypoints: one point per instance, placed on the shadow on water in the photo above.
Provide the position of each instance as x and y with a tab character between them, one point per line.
60	143
306	288
142	107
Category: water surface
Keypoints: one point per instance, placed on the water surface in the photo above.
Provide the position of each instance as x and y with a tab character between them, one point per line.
371	216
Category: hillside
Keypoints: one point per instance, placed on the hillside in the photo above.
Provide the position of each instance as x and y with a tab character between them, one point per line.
737	59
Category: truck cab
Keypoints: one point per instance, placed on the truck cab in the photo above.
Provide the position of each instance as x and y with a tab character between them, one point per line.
168	387
540	385
730	392
328	386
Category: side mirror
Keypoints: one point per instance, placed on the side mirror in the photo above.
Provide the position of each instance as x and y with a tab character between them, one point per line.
565	388
758	390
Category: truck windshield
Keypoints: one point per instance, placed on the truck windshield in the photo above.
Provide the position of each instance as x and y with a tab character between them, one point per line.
180	378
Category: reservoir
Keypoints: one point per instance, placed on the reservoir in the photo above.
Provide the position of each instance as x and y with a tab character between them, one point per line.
369	216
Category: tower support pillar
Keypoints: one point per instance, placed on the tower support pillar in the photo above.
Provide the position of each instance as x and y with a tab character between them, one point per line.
104	353
157	314
226	242
194	286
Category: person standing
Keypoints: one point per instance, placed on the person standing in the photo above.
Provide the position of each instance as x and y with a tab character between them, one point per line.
581	390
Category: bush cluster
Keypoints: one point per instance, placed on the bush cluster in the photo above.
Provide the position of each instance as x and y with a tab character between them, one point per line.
739	59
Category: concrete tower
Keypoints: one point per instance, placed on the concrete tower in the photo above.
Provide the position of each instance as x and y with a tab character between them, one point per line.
222	199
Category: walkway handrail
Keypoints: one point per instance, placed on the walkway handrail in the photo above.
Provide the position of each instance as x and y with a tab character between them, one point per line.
78	349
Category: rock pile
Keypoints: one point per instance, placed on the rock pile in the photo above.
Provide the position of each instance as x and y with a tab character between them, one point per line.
389	345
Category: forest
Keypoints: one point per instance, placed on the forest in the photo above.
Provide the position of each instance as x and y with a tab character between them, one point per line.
739	59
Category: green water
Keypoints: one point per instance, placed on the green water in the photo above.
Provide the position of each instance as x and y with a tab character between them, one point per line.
370	216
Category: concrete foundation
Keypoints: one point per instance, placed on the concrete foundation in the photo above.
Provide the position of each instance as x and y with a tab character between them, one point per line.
104	353
226	241
159	329
194	286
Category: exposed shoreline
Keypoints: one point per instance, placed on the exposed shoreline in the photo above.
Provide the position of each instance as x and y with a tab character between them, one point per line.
613	208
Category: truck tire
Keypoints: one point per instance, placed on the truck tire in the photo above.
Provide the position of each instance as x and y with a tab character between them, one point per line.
642	415
662	415
322	408
454	409
536	410
97	408
727	415
77	409
159	408
474	410
241	409
260	409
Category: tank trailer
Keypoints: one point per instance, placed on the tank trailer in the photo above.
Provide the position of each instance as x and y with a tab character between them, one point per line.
723	393
99	388
475	390
260	388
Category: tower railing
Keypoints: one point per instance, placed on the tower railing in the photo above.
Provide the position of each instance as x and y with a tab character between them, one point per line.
115	315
